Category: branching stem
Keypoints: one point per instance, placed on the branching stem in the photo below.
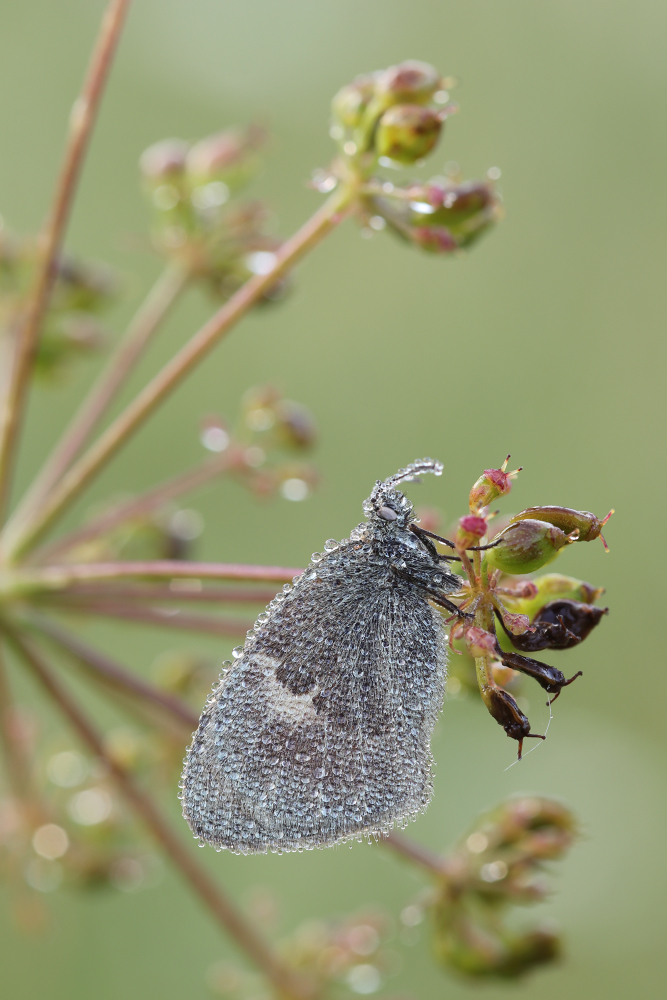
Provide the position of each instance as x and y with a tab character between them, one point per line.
288	983
125	425
82	120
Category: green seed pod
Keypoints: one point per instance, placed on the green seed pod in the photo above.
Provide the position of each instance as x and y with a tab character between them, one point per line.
527	545
407	133
588	525
553	587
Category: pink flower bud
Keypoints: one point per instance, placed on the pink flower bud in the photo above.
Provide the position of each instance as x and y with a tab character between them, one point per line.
471	529
493	483
479	641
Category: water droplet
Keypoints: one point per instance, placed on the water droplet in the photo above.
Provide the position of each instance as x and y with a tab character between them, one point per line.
330	545
237	652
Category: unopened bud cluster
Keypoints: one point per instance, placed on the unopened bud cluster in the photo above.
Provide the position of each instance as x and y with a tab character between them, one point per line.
81	294
396	116
499	865
198	220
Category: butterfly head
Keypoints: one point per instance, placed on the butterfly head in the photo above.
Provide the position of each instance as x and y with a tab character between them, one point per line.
387	507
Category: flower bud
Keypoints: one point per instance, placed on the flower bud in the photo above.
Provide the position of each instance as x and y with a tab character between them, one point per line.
407	133
471	529
480	642
588	525
164	161
435	239
350	103
493	483
527	545
229	156
412	81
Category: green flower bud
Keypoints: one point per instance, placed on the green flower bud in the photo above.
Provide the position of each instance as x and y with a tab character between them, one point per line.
412	81
588	525
350	103
407	133
527	545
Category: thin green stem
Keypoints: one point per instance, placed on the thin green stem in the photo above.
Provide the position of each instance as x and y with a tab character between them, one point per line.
82	119
128	422
141	329
287	982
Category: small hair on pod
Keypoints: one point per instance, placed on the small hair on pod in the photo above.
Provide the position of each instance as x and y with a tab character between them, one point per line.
320	730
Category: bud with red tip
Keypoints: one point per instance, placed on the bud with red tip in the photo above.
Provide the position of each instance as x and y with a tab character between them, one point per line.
493	483
527	545
411	80
471	529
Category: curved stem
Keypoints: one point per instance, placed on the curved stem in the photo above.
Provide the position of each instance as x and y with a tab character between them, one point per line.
125	425
146	321
287	982
82	119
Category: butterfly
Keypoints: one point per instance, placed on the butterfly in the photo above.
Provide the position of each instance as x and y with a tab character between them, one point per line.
320	730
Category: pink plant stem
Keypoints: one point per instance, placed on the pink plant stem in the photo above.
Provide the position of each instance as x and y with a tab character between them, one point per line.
120	677
82	119
414	852
143	504
287	982
164	618
150	315
160	594
26	533
32	581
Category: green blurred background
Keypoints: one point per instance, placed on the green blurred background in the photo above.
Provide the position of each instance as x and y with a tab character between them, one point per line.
545	341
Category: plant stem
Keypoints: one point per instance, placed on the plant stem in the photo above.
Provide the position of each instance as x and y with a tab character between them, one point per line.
163	617
146	321
17	763
31	581
125	425
414	852
82	118
288	983
156	593
124	680
141	505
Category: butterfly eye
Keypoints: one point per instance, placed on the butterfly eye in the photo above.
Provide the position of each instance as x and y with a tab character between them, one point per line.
387	514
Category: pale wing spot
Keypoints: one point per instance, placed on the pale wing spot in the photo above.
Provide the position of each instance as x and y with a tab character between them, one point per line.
279	700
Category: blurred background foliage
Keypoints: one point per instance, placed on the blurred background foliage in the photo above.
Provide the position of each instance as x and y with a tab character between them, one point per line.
546	341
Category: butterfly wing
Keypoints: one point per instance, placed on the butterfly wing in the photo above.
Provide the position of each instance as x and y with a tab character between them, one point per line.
320	731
